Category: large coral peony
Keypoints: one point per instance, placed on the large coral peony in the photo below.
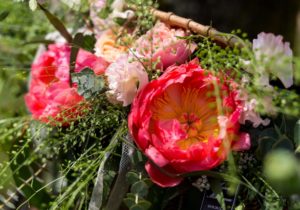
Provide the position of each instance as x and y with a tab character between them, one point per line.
175	121
51	98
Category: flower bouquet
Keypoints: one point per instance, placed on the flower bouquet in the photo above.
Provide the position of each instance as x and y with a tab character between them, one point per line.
137	108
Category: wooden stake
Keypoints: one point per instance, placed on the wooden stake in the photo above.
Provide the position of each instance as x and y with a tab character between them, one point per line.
206	31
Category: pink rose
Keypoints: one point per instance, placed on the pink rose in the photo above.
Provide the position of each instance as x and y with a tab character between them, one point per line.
162	44
51	98
174	120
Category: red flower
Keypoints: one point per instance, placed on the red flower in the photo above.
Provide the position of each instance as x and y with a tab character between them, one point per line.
175	121
50	97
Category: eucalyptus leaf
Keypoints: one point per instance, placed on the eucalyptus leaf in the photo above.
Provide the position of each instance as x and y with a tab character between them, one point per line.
88	83
132	177
141	205
140	188
129	202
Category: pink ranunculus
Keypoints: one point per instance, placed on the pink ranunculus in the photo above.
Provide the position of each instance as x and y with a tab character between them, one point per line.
175	121
51	99
162	44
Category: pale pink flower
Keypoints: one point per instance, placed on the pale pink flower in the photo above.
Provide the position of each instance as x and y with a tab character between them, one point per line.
125	79
162	44
117	12
274	57
249	114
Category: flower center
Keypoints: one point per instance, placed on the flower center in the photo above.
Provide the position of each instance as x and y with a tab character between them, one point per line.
193	108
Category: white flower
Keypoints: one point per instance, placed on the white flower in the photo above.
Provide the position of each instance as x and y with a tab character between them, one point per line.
117	12
274	57
125	79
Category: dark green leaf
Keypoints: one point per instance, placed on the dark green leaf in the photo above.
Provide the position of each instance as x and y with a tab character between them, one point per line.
39	41
57	24
216	187
88	43
3	15
119	21
76	43
140	188
283	143
88	83
297	136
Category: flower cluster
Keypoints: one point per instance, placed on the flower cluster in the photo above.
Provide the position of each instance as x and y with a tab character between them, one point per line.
186	120
51	98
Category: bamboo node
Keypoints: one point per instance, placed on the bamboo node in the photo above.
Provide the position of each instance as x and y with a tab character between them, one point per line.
188	24
169	16
208	30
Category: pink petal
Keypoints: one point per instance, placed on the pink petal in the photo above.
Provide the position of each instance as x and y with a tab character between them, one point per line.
161	179
244	143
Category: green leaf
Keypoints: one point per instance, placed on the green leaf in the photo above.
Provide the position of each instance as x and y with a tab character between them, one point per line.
140	188
216	187
103	14
3	15
57	24
88	83
297	136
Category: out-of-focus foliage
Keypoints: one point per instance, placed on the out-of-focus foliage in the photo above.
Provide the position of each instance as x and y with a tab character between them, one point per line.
19	26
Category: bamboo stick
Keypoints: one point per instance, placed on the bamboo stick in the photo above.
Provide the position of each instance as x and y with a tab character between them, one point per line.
189	24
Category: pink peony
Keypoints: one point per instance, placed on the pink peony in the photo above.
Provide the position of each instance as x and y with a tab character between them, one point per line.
50	97
162	44
174	120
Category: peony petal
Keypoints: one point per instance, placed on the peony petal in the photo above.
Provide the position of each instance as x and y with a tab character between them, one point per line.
244	143
156	156
161	179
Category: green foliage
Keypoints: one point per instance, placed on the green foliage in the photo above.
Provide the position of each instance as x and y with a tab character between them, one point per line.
145	20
